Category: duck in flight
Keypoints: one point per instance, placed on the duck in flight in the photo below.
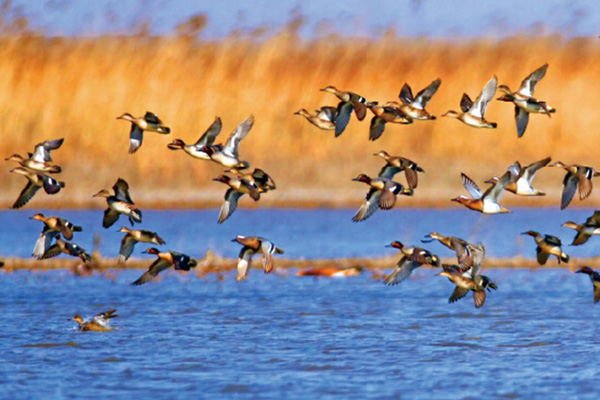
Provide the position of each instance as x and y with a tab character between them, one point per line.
148	122
473	114
524	101
207	139
119	203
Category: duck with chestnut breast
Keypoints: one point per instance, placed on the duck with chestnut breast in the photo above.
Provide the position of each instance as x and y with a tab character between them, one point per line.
487	202
255	245
165	260
119	203
524	101
473	114
99	323
207	139
414	107
148	122
578	176
348	101
324	118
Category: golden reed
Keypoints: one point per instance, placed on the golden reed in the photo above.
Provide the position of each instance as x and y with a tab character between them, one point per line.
75	88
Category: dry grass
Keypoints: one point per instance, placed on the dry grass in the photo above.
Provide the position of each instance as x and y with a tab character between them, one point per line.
75	88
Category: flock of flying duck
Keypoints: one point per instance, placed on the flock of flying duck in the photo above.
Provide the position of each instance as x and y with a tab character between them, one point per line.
382	194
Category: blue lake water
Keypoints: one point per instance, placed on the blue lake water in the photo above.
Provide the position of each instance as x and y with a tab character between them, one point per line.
275	337
299	337
311	234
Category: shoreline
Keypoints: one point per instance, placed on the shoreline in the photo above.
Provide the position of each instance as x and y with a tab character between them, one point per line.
213	264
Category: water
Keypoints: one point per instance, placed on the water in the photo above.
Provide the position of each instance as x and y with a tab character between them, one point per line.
277	337
311	234
299	337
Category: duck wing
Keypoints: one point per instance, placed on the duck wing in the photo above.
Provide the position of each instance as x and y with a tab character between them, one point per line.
532	169
425	95
182	261
406	96
585	186
110	217
411	176
522	119
136	136
155	268
360	109
458	294
344	111
121	189
570	183
244	261
596	293
494	192
466	103
388	196
26	194
327	113
263	180
230	204
42	150
377	127
479	298
389	171
471	186
594	220
233	143
542	256
369	206
403	269
208	138
51	185
152	118
52	251
43	243
529	83
552	240
480	105
127	245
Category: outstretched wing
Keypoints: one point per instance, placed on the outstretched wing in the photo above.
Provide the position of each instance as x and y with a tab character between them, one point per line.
425	95
528	85
233	143
208	138
471	186
480	106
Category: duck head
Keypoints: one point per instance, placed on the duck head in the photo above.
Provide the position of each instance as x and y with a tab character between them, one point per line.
77	319
124	229
126	116
462	199
383	154
451	114
14	157
176	144
330	89
222	178
531	233
585	270
102	193
151	250
396	244
38	216
362	178
302	112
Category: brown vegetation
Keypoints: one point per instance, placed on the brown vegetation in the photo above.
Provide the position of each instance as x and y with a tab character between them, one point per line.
75	88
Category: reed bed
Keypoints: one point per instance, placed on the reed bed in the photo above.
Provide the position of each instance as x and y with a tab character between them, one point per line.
75	88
